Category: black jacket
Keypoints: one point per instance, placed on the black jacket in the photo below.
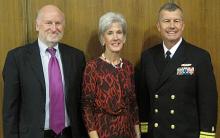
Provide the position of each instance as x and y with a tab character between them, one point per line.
177	100
25	92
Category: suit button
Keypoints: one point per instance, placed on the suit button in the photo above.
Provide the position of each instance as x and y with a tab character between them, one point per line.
172	112
156	110
172	97
156	125
156	96
172	126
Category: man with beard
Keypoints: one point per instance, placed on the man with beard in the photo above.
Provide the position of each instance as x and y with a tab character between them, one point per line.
42	83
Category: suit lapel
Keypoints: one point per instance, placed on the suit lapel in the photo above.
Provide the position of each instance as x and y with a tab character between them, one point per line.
178	58
159	59
35	61
66	62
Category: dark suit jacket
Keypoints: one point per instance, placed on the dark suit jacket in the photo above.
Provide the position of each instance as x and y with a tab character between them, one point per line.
180	100
25	93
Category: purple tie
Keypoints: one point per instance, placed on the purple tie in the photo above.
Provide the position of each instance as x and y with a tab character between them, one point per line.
57	116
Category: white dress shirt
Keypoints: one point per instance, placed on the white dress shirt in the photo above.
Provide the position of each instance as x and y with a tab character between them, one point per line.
173	49
45	57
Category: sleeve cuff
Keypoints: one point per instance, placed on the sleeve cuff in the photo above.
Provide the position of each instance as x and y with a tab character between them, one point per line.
206	135
144	127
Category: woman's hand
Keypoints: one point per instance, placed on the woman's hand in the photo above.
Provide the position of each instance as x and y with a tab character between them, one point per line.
93	134
137	131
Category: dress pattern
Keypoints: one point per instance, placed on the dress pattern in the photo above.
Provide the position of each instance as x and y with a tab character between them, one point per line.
108	101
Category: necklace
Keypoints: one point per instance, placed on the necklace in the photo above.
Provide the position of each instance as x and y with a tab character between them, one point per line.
119	65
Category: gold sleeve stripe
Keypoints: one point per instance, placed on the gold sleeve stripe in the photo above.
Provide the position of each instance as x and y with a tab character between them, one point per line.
207	133
204	136
144	127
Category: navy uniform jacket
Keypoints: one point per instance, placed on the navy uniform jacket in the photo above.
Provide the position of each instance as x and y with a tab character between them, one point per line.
180	99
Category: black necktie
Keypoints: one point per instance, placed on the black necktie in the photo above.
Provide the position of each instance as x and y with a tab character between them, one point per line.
167	59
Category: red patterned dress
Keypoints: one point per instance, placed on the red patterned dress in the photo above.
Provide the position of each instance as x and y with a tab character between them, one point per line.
108	99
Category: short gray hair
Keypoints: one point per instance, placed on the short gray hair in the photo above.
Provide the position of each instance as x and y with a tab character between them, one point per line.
170	6
107	20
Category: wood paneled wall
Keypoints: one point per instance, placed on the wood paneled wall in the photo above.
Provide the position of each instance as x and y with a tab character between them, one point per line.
202	19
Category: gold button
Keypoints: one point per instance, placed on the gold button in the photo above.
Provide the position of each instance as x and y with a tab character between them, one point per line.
172	112
173	97
156	125
156	96
172	126
156	110
213	129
